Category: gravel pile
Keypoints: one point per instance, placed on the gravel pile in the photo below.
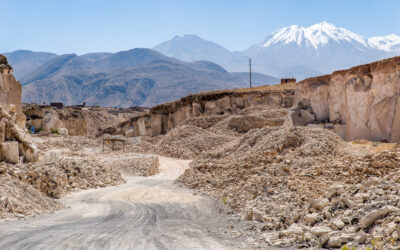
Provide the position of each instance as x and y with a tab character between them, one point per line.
55	179
250	118
188	141
305	187
18	199
206	121
134	165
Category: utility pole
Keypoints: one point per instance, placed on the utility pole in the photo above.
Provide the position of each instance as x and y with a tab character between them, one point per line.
250	71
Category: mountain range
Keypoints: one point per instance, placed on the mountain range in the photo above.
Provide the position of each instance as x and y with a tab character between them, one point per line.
293	51
137	77
190	64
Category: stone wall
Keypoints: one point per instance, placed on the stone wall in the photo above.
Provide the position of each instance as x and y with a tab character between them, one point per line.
361	102
165	117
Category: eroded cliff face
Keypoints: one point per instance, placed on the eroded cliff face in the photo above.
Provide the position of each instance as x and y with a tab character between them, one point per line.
359	103
165	117
76	120
46	118
10	92
14	142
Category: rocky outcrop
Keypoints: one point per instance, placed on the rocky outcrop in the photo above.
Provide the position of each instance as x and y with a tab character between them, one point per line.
75	120
47	118
10	92
358	103
13	140
165	117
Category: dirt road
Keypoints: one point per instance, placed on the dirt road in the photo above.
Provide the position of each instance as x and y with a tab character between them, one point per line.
145	213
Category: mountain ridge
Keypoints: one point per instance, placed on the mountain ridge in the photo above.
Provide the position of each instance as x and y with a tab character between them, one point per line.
139	77
291	51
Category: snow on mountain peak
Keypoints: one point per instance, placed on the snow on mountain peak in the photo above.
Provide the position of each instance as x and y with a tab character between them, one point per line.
324	25
315	35
387	43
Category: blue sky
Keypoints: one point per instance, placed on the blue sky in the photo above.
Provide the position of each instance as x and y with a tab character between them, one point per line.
82	26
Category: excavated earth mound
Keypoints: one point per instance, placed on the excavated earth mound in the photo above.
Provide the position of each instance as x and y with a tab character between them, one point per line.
188	141
57	178
134	165
208	132
19	199
305	187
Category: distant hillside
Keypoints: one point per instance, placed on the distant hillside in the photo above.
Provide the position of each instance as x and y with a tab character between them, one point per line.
26	61
95	56
193	48
129	78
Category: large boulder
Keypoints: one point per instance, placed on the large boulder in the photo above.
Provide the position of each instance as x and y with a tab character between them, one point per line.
10	152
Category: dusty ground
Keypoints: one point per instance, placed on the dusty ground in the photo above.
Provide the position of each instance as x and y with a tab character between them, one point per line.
272	187
303	187
145	213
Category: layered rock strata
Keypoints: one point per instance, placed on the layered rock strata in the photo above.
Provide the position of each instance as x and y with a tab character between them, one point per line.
10	92
358	103
75	120
162	118
13	140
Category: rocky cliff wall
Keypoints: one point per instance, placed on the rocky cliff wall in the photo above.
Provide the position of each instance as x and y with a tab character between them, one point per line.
46	118
15	144
10	92
76	120
165	117
362	102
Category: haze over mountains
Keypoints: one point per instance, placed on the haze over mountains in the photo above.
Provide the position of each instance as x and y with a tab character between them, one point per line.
138	77
191	64
25	61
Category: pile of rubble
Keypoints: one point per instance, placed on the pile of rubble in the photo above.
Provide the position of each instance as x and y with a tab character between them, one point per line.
15	143
73	143
188	141
259	116
134	164
305	187
18	199
57	178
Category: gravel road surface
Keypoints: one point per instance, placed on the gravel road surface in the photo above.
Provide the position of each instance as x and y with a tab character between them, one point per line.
145	213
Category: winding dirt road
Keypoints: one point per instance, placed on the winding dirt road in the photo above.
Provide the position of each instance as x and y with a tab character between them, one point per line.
145	213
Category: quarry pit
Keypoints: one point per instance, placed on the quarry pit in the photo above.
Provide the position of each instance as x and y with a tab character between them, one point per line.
296	166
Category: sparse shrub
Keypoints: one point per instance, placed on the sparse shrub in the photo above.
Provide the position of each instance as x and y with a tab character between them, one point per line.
345	247
54	131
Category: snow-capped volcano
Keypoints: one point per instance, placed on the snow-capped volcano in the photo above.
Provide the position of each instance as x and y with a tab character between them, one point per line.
292	51
390	43
308	51
315	36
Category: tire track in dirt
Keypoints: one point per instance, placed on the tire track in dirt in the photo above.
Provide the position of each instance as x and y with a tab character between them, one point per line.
145	213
